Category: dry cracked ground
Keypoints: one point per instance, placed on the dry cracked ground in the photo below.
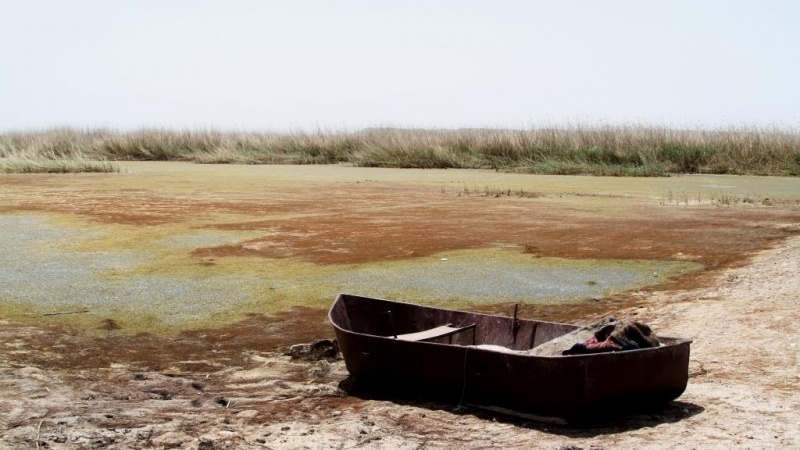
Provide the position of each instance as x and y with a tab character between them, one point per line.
73	378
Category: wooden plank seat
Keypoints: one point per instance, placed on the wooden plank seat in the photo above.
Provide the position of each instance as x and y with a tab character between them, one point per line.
437	332
432	333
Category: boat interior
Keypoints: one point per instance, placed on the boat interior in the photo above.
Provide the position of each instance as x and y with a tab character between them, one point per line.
409	322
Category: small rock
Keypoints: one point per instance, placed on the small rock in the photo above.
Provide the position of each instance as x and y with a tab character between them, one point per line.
247	414
318	350
162	394
322	370
206	444
109	325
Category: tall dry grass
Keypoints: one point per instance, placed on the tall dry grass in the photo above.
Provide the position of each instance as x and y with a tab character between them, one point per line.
619	151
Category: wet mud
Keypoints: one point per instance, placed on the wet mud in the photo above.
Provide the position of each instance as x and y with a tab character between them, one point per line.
341	219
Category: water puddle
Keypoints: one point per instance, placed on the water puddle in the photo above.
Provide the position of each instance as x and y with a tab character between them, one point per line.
43	278
498	276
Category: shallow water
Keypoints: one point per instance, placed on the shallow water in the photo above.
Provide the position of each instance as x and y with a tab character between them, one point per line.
36	271
498	276
39	272
144	276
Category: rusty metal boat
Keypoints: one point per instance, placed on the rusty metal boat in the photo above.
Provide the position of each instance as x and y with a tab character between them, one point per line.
397	345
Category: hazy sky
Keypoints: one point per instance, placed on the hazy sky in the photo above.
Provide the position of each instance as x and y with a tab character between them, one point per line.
294	64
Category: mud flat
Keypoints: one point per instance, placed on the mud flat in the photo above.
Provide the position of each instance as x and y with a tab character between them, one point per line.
166	247
123	284
148	308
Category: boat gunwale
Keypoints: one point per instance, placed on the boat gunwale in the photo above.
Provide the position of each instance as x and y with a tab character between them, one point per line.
676	341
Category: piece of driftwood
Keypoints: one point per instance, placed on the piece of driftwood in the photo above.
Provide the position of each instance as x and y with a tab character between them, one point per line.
66	312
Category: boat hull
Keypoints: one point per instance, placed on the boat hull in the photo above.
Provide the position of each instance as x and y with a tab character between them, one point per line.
562	386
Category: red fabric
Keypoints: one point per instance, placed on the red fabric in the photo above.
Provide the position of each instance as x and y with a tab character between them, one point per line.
608	344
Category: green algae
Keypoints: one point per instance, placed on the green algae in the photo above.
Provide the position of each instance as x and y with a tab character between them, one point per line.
145	279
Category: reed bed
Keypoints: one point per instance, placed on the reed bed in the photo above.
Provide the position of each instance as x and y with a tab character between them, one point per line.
614	151
62	165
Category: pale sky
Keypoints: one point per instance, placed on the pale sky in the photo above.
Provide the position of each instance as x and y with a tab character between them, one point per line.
334	65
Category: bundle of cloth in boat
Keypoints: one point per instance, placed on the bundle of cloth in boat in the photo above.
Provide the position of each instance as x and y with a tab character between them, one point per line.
606	335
